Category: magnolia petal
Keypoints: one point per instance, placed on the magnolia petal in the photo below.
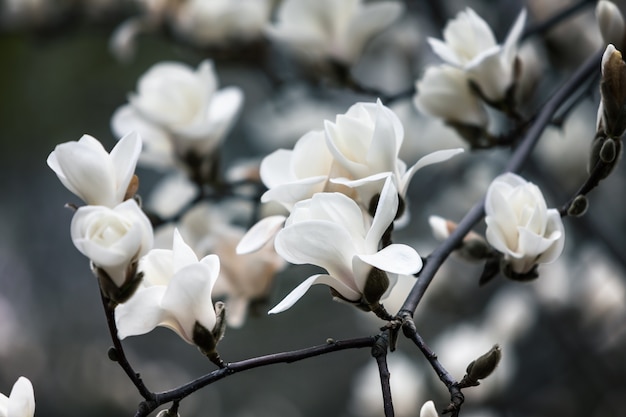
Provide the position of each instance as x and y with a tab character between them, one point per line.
338	209
386	140
188	297
555	232
396	258
444	52
274	169
290	194
157	267
431	158
141	313
301	289
85	168
183	254
514	36
259	234
124	158
22	399
317	242
386	212
428	410
369	21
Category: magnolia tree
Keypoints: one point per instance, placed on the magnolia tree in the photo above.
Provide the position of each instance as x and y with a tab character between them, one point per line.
199	252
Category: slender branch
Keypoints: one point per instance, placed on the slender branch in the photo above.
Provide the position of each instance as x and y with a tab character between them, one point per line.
441	253
456	396
117	351
177	394
562	15
379	352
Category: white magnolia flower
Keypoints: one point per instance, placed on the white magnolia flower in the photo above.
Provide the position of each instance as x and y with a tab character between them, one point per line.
179	112
365	143
520	225
21	401
444	92
428	410
89	171
611	22
332	29
470	44
330	230
113	238
175	293
221	21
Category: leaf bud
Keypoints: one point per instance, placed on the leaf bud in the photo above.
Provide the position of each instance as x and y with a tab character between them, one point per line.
608	151
578	207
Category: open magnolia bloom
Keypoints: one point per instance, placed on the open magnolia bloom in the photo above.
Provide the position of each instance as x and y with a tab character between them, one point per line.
332	29
519	224
85	168
180	113
113	238
330	230
365	143
444	92
469	44
21	401
176	292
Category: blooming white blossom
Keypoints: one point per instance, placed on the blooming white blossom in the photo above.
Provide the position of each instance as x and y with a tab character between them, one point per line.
330	230
85	168
243	278
444	91
218	22
332	29
112	238
365	143
611	22
179	112
21	401
469	44
520	225
175	293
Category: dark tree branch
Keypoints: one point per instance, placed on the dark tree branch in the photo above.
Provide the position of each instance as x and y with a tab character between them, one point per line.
177	394
379	352
559	17
116	353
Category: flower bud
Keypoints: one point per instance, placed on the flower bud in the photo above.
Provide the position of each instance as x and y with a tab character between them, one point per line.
613	92
604	151
611	23
481	367
578	207
484	365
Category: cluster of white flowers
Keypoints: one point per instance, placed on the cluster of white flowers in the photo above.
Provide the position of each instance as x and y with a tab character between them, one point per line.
149	287
476	70
313	30
344	187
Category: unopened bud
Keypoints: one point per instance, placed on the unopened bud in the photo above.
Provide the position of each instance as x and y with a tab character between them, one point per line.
484	365
481	367
613	92
611	22
605	153
608	151
578	207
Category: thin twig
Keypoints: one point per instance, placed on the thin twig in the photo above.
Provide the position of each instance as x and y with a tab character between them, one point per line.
548	24
118	351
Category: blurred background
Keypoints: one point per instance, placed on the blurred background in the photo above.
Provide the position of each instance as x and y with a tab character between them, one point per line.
563	335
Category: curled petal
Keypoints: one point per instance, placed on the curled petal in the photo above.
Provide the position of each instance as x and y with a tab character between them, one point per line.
431	158
141	313
301	289
259	234
396	258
